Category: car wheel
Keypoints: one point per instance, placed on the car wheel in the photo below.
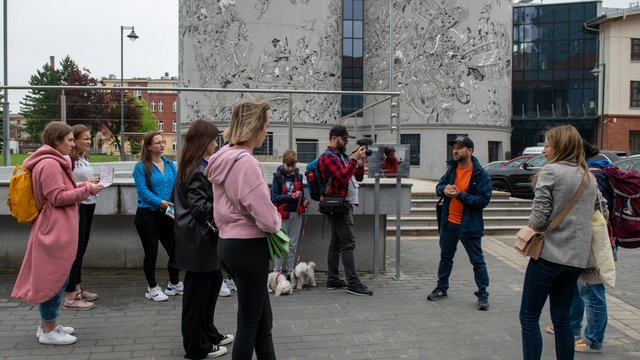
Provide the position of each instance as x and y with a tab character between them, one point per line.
500	185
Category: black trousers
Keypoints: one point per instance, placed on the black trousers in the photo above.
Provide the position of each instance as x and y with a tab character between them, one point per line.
85	216
199	299
247	261
154	225
341	247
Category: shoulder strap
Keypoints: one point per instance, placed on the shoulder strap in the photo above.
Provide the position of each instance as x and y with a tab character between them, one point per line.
233	203
558	219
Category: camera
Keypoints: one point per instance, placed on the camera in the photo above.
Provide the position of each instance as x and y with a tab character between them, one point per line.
365	142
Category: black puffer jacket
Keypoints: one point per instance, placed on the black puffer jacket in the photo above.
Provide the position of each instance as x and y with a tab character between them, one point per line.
196	245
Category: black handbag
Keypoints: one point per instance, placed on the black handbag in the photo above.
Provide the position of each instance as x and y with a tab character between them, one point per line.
334	205
439	207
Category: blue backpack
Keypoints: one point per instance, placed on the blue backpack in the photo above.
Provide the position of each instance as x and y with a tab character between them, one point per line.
312	174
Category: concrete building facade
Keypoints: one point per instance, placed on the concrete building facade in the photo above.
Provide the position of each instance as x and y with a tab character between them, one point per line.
451	63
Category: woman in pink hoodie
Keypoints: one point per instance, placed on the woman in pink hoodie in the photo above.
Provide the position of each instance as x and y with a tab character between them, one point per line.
51	249
240	192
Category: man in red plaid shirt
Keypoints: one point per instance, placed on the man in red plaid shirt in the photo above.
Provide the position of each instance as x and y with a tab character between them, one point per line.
338	171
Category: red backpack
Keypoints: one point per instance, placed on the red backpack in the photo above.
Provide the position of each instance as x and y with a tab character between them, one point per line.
625	219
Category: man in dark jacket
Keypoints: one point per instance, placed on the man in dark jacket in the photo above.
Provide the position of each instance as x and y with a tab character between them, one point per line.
466	189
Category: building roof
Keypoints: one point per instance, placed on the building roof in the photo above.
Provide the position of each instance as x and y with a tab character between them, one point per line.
612	14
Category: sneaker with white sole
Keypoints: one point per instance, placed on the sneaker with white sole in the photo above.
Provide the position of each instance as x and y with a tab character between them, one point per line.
67	330
230	284
227	339
77	304
87	296
582	346
56	336
174	289
217	350
156	294
224	290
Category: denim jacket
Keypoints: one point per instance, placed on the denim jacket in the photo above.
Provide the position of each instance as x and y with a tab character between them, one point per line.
473	200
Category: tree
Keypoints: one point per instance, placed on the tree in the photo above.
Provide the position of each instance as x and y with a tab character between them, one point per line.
88	107
148	122
39	106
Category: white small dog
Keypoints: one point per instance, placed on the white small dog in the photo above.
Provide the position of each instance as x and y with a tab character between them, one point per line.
304	274
276	282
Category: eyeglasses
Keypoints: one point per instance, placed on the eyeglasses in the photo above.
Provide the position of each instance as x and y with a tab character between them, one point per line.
160	143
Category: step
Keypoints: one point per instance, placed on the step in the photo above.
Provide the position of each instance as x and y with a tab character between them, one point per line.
507	202
433	230
491	211
422	220
432	195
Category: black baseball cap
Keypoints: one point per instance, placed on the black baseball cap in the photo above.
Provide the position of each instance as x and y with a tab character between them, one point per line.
462	140
341	131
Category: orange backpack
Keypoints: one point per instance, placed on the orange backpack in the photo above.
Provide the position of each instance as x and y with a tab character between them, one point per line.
21	200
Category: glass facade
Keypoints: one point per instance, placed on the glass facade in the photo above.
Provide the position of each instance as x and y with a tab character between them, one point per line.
553	55
352	36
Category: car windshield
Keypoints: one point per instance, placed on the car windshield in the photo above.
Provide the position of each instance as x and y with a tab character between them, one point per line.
515	163
537	162
630	163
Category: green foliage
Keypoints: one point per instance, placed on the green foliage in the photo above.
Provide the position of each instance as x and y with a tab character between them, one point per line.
94	158
148	121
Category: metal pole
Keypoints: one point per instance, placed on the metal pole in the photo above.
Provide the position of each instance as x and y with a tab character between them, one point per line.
376	226
178	127
63	108
398	191
121	93
291	121
5	103
604	78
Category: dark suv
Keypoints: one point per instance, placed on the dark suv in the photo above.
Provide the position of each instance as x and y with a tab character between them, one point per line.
517	181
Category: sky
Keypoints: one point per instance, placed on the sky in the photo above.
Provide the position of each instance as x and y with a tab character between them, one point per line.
89	32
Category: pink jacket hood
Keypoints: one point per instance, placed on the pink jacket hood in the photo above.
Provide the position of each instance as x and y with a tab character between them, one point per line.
244	181
47	152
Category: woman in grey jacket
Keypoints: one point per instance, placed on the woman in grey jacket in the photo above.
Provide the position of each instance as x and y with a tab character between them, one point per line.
566	248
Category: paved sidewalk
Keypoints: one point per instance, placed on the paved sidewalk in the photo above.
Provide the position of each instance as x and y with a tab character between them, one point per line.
396	323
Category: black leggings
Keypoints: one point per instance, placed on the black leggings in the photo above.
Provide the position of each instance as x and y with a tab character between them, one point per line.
199	333
247	261
154	225
85	215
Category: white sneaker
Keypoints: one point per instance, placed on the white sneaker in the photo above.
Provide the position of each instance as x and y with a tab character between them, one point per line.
156	294
174	289
227	339
230	284
57	336
217	351
224	290
67	330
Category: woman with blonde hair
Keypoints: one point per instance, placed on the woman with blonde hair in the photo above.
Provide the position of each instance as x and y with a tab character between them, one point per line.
196	244
52	247
243	212
76	297
566	248
155	177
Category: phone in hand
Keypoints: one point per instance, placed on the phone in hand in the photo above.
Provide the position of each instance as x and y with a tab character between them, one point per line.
170	212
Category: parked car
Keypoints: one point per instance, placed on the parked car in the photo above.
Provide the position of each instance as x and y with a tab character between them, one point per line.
493	164
517	180
631	162
518	160
613	156
533	150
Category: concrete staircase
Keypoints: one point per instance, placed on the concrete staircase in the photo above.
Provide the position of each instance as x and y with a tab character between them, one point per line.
504	216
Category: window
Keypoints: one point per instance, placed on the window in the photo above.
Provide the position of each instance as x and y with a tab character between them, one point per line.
494	150
220	140
160	126
307	150
174	126
138	93
635	49
174	107
634	141
352	36
174	146
635	94
267	146
161	106
413	140
153	106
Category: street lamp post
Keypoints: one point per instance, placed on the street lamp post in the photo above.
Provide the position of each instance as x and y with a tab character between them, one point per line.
596	72
132	36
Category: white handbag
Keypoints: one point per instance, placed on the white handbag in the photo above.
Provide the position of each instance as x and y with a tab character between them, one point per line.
602	268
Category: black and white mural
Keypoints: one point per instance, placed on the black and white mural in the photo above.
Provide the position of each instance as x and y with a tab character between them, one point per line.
261	44
452	59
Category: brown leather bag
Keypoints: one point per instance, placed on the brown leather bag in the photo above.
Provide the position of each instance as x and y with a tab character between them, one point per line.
529	242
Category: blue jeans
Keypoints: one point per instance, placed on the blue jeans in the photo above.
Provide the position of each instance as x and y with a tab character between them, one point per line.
557	282
449	236
591	296
50	309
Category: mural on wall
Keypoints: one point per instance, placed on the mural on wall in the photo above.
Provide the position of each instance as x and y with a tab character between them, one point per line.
452	59
225	45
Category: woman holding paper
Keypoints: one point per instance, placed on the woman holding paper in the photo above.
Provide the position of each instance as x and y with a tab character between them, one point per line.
155	177
239	187
75	296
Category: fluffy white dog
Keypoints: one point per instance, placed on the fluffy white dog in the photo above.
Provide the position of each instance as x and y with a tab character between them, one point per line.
304	274
276	282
